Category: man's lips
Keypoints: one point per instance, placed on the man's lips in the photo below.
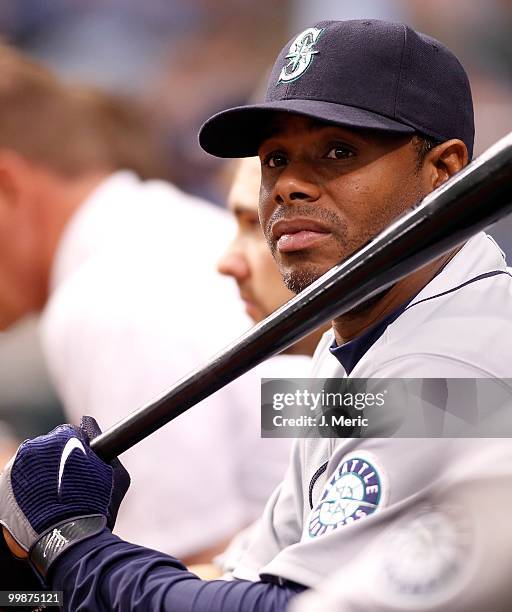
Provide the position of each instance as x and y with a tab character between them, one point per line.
297	234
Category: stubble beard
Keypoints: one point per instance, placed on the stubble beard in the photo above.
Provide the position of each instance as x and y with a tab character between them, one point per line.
302	277
303	273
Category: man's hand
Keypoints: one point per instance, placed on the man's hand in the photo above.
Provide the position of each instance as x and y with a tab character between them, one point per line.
55	492
17	575
15	548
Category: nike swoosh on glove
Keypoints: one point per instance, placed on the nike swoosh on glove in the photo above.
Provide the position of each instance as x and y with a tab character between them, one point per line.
54	493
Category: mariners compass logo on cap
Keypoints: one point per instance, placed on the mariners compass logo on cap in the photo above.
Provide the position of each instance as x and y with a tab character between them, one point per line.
300	55
355	490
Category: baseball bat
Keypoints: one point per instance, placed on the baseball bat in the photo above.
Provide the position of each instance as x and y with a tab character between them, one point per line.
472	200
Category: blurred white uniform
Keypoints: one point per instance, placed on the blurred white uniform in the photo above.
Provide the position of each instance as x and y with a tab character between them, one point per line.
136	303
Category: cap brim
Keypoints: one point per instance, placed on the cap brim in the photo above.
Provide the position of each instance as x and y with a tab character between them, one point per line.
239	131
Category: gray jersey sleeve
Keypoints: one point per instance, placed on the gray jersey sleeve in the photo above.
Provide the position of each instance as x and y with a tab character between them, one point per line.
451	552
280	525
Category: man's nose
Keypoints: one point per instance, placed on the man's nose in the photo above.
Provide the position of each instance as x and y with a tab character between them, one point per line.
295	185
234	264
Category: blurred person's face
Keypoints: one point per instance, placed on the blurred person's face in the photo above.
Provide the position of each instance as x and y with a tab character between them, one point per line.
36	204
248	259
21	288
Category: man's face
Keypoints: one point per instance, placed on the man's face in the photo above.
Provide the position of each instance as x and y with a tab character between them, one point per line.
328	190
248	259
21	288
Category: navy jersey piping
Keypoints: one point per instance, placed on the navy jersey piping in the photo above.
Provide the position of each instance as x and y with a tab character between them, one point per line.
461	286
312	483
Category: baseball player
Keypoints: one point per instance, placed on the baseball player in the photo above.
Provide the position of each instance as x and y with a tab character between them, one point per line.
361	120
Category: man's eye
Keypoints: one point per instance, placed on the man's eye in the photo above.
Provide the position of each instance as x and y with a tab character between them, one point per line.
275	160
339	152
251	223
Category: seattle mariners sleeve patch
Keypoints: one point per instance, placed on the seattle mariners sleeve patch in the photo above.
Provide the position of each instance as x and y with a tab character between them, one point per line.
355	490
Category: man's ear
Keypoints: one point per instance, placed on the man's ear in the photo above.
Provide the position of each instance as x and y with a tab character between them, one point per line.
14	178
445	160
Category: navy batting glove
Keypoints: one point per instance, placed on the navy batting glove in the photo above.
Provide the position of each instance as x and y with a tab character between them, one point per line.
54	493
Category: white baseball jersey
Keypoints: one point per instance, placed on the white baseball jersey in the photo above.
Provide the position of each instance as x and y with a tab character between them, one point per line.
136	303
318	521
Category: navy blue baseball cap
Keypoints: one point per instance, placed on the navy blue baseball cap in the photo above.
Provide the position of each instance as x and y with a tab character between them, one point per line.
366	74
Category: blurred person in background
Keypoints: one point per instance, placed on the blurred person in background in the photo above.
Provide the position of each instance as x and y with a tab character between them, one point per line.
121	270
249	260
183	60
